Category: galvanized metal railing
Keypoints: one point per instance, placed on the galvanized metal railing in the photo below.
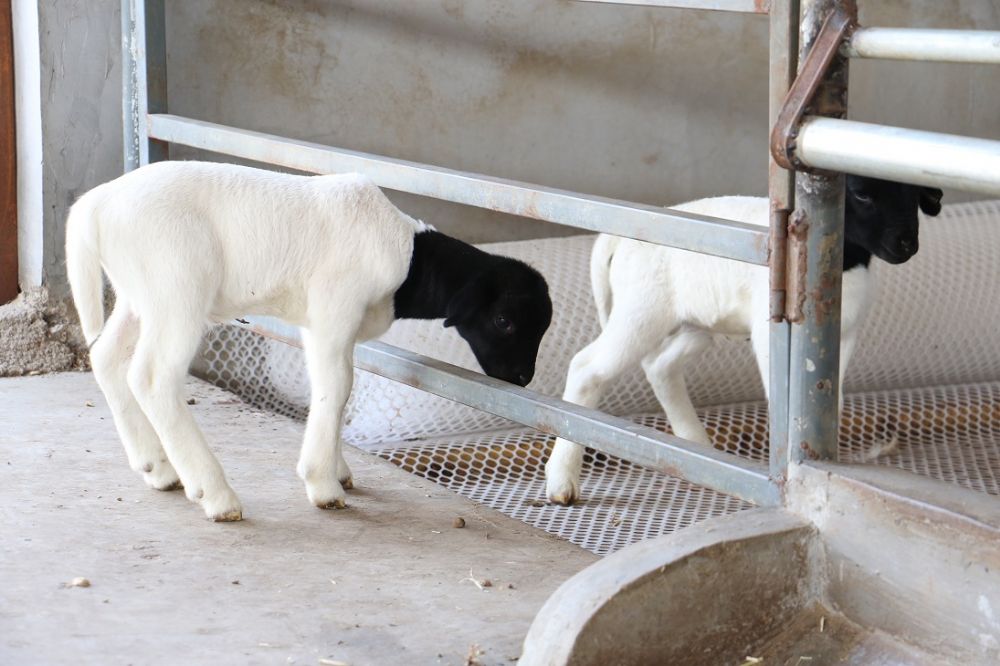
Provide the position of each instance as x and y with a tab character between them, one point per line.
723	238
804	347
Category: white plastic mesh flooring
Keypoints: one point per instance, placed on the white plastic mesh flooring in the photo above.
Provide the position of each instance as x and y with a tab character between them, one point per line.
924	393
947	433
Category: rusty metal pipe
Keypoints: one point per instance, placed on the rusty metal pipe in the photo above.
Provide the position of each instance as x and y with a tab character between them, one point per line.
961	46
744	6
818	249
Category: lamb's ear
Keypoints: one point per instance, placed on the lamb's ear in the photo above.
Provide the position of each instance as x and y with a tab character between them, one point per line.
930	200
467	301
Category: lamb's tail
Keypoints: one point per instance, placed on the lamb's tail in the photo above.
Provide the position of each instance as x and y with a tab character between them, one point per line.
83	267
600	281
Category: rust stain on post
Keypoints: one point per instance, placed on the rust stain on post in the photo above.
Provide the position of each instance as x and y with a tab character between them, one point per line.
546	428
808	450
795	275
531	208
825	296
761	6
671	470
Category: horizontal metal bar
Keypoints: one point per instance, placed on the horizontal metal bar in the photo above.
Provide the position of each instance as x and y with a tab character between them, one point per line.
615	436
745	6
709	235
968	46
906	155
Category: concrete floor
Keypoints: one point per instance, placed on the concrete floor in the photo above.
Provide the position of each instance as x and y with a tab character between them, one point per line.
383	582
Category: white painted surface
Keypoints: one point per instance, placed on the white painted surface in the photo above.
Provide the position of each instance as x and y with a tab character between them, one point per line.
28	104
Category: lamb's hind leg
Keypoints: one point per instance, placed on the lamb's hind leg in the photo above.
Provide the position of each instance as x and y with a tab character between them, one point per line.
665	372
110	357
167	343
591	371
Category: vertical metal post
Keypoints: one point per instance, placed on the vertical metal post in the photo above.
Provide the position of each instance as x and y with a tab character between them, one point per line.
816	250
144	78
784	41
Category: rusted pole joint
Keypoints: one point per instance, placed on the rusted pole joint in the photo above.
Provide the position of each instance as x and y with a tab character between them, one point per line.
802	96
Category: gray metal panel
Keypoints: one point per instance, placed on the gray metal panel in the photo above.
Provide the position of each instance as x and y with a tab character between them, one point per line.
910	156
723	238
644	446
784	47
967	46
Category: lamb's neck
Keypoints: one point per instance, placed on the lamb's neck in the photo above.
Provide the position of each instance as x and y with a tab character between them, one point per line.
439	267
855	255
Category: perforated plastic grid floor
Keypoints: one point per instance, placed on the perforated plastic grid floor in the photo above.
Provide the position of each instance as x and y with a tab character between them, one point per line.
948	433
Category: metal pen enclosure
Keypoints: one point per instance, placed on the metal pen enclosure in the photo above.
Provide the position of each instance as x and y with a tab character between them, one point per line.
800	248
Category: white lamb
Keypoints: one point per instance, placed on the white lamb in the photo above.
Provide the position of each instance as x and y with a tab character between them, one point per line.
185	244
660	306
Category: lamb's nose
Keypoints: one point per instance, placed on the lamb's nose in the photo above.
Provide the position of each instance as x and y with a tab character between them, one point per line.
523	379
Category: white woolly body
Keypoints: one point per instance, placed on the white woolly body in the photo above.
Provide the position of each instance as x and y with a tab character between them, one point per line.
188	243
660	306
247	241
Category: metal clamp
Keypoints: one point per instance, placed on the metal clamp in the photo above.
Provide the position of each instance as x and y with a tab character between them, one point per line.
836	29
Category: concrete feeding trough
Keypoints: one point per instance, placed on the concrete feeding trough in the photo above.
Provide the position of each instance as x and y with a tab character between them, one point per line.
852	572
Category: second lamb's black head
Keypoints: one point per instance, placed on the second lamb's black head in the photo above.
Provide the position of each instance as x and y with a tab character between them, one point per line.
880	218
500	306
503	314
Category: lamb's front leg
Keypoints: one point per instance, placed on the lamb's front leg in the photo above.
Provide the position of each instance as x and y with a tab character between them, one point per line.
331	374
590	373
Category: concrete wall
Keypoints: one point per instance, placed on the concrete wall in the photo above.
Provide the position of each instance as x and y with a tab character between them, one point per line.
656	106
78	76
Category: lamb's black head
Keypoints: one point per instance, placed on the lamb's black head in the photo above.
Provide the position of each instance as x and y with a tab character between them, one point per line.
881	216
503	314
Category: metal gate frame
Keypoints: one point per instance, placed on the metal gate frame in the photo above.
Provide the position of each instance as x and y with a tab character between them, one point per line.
803	248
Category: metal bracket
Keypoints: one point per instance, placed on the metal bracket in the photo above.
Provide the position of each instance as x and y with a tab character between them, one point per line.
777	244
836	29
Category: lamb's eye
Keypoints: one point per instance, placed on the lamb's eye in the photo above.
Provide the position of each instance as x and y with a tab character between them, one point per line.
863	198
503	323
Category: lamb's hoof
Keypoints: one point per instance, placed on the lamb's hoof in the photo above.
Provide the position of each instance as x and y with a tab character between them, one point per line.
344	475
565	499
564	493
221	507
233	516
326	494
161	477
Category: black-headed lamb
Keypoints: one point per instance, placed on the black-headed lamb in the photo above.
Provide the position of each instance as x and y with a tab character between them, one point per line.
660	306
185	244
